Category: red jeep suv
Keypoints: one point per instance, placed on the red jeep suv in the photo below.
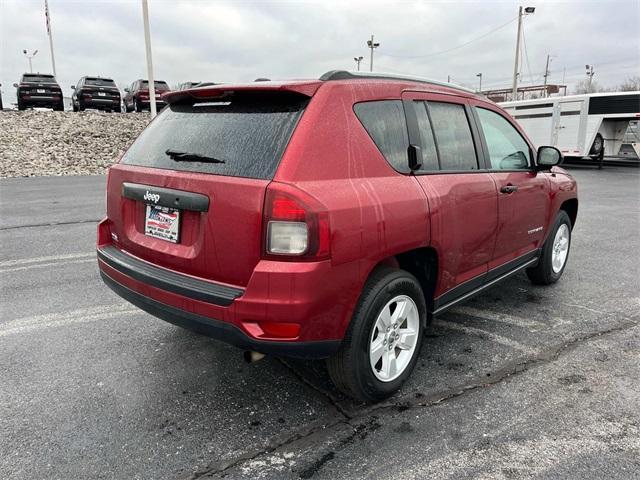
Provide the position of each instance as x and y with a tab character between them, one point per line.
330	218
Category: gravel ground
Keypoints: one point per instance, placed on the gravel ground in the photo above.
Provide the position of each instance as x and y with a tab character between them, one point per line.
36	143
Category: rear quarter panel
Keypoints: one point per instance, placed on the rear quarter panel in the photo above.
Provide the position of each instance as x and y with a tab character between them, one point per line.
374	211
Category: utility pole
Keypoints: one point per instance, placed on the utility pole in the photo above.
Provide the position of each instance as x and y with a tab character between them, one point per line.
371	44
48	19
480	88
546	74
358	60
590	74
29	57
147	43
521	13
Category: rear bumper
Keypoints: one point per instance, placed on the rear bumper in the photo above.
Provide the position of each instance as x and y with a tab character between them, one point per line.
41	100
220	330
101	103
316	296
147	103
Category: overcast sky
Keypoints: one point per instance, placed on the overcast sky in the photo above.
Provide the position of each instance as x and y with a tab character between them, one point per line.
230	41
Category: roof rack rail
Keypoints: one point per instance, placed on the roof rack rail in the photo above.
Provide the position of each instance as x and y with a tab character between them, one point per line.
347	75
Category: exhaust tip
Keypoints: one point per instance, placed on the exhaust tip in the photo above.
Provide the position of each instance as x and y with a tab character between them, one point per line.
250	356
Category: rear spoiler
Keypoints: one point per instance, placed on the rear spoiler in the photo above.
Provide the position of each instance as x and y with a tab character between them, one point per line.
220	91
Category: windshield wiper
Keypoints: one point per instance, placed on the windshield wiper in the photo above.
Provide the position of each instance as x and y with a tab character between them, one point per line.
191	157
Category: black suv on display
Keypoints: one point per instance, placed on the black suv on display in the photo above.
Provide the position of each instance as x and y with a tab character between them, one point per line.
95	92
39	90
137	96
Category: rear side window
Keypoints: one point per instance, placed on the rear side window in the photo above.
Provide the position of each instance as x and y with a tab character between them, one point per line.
429	152
453	136
385	122
248	132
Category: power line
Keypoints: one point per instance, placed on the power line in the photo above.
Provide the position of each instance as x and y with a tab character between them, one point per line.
526	57
433	54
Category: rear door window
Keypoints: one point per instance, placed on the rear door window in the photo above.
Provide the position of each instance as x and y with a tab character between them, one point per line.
249	132
453	136
385	122
427	142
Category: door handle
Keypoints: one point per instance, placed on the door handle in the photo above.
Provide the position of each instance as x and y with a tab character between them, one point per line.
508	189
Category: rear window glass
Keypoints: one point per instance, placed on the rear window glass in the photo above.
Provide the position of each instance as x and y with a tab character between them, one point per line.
249	132
100	82
385	122
38	79
453	136
157	84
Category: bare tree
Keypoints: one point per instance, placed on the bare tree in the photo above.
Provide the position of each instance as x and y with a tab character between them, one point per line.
584	86
630	84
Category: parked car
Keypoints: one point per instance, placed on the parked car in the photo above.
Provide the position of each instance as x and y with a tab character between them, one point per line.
39	90
137	95
331	218
95	92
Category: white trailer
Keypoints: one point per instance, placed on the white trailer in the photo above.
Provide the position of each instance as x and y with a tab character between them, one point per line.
595	125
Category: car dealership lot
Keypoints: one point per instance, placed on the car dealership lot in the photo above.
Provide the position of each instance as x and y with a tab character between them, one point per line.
93	388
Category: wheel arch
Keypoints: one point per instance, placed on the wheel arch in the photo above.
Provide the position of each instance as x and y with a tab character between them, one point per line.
423	264
571	207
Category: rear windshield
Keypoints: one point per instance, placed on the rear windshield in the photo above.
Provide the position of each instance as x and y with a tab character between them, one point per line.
38	79
157	84
249	133
100	82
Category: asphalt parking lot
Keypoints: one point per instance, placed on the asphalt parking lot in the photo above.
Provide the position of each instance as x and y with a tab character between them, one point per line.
522	381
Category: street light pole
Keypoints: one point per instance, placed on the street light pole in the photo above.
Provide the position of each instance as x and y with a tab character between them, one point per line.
590	74
48	19
371	44
480	88
29	57
521	13
147	43
358	60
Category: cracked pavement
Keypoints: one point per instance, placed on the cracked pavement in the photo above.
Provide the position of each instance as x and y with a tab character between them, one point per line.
519	382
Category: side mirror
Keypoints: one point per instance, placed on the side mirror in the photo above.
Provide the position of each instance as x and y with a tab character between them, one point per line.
548	157
15	85
126	89
73	87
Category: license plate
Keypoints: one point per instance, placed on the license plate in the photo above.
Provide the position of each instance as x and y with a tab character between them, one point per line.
40	90
163	223
102	94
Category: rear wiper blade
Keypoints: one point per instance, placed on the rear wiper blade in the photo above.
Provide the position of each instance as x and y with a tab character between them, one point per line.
191	157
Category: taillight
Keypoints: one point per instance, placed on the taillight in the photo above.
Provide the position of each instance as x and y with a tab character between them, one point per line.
295	226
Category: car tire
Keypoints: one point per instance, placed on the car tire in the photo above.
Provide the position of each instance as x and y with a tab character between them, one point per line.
555	253
380	337
21	106
59	107
74	107
136	106
598	145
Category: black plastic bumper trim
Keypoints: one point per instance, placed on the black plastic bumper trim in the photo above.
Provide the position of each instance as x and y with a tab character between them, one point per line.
166	197
214	293
222	331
